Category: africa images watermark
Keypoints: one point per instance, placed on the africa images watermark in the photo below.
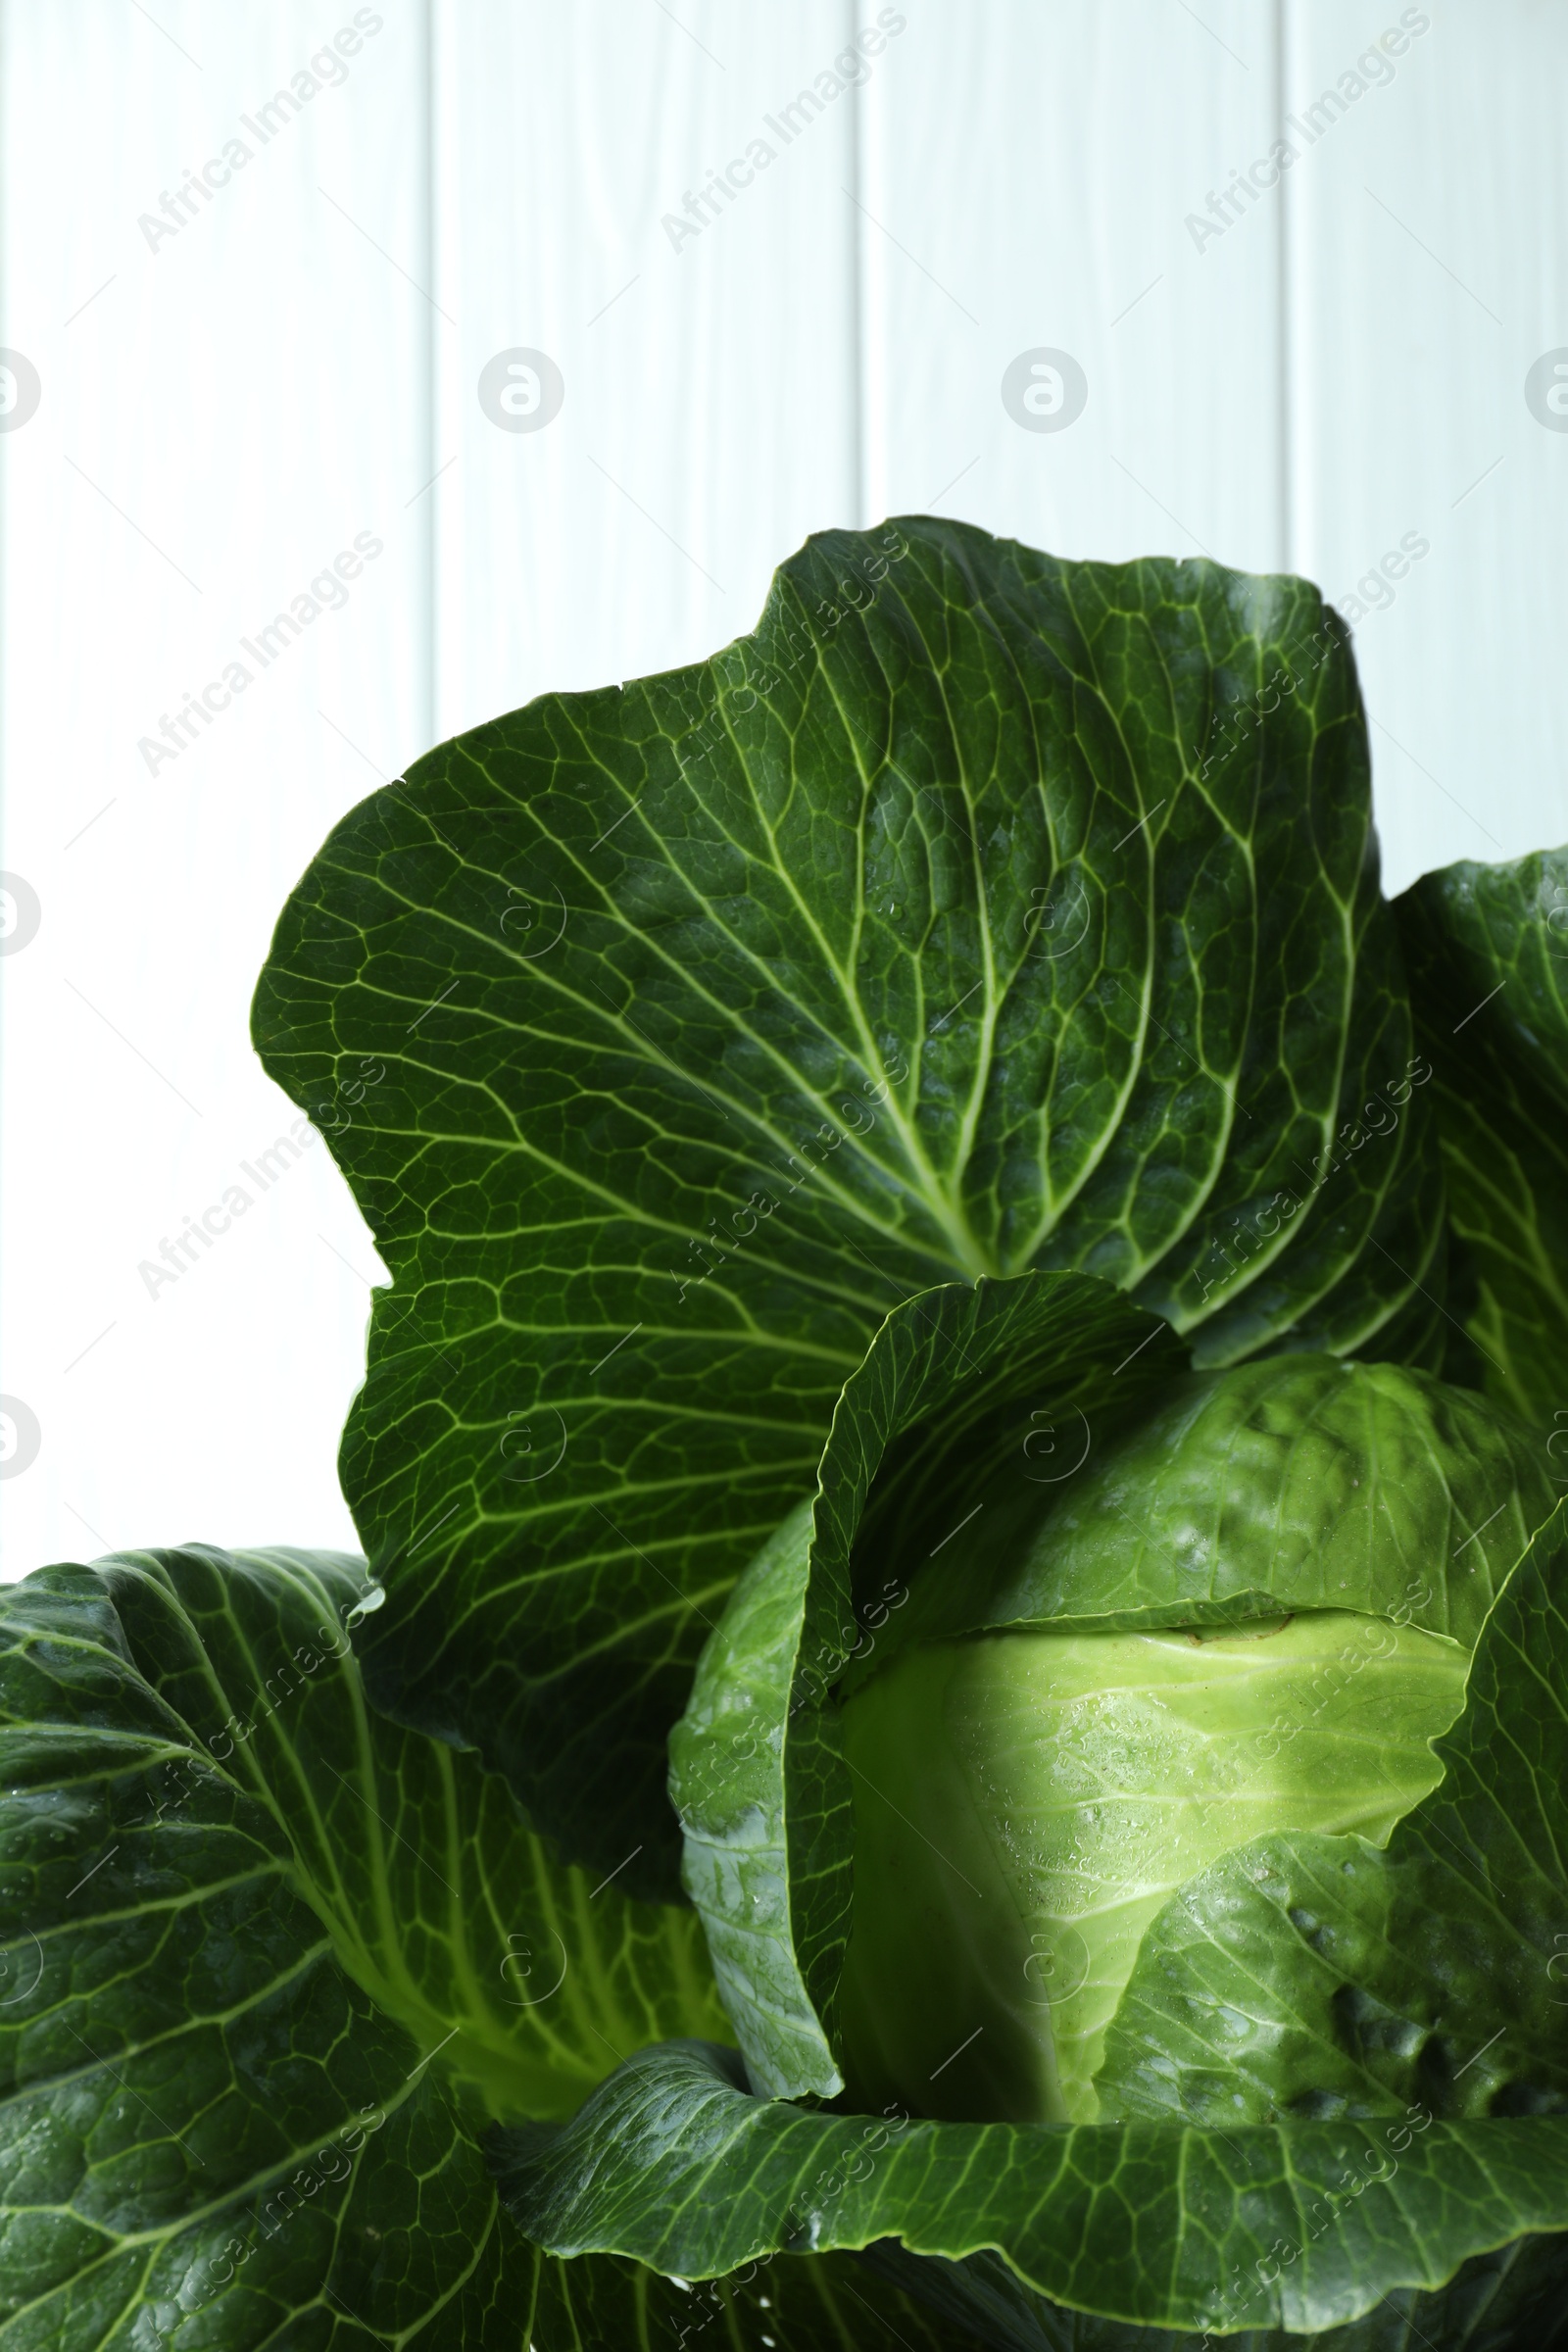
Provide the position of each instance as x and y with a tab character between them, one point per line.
1375	590
327	70
326	593
198	1234
848	70
1374	69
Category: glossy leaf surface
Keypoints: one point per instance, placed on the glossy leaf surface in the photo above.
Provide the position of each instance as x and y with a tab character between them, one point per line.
978	911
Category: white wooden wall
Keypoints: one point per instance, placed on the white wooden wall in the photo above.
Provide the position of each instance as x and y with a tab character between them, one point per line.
222	410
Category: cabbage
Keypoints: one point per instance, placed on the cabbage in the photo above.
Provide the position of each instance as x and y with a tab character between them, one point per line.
954	1721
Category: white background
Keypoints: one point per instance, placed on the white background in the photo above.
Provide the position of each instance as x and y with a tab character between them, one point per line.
221	413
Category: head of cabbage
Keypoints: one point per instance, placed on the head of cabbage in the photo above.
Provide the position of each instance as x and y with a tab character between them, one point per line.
970	1039
1251	1609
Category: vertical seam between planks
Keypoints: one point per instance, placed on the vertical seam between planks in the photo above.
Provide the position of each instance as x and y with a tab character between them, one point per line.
859	325
1286	299
431	316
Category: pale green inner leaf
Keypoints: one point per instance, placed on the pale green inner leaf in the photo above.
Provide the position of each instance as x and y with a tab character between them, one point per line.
1025	1802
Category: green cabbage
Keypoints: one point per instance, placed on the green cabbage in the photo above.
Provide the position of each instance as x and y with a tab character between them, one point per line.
954	1727
1026	1799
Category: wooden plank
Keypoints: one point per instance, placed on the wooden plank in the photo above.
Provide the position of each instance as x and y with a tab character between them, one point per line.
1429	247
705	342
1033	192
1320	374
230	399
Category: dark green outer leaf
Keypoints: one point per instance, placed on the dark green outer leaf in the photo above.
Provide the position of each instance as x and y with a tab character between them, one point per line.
1510	2300
978	911
1486	948
758	1772
1324	1977
210	2138
441	1904
673	2162
815	2303
209	2135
